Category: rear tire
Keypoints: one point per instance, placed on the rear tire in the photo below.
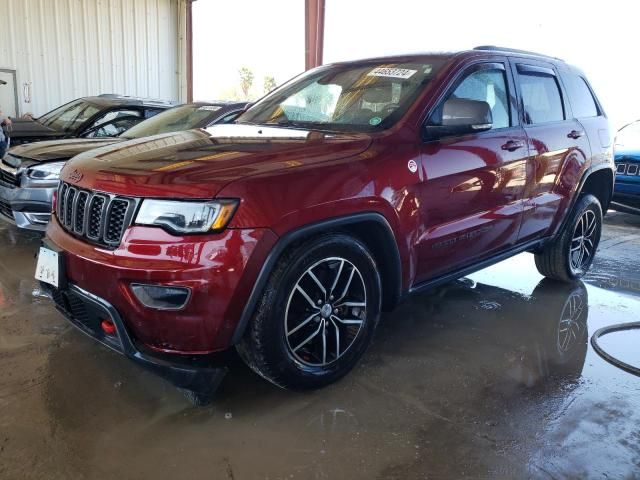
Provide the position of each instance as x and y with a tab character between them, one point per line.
316	315
570	254
563	309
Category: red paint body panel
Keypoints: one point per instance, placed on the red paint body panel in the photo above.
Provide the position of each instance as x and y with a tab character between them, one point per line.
468	200
214	267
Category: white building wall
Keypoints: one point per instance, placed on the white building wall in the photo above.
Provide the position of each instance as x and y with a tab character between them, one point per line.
65	49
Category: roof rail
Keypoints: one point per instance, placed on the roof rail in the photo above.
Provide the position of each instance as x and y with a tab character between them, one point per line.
493	48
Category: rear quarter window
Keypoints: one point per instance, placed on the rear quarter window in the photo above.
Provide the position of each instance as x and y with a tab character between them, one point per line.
582	102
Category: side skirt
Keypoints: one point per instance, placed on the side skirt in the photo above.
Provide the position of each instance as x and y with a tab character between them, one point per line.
448	277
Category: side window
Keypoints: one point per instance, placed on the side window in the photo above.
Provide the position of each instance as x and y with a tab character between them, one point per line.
540	97
488	86
150	112
114	127
228	118
112	115
582	103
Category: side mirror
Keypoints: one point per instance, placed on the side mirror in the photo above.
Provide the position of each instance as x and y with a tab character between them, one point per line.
461	116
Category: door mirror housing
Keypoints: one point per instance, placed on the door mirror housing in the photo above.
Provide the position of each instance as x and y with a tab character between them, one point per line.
460	116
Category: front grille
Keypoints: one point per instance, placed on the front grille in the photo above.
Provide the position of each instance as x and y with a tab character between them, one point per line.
9	179
5	209
117	215
629	169
98	217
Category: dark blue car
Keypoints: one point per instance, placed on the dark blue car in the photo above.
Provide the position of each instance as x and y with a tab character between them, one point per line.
627	157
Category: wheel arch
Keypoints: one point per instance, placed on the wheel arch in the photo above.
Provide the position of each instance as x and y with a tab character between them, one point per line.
597	181
370	228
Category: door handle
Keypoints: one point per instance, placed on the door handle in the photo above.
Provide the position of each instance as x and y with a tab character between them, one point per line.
575	134
513	145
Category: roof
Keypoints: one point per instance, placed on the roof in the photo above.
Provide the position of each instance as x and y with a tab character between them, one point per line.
426	56
115	99
222	103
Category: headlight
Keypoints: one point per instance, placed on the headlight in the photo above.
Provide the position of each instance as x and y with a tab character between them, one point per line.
46	171
187	217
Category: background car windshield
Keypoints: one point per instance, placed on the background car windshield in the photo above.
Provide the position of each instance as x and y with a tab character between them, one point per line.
629	136
70	116
345	97
173	120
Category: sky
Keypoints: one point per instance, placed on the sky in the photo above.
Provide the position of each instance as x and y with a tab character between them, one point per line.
267	36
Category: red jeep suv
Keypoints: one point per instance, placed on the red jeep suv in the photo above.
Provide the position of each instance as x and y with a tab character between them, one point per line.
331	199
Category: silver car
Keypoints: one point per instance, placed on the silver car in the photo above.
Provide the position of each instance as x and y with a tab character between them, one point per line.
29	173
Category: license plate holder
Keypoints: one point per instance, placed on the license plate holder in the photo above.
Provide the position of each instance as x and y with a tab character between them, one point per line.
50	266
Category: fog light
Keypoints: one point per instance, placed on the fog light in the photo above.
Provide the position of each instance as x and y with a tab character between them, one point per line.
161	297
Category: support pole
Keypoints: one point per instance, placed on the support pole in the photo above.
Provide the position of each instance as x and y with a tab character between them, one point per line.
189	28
314	32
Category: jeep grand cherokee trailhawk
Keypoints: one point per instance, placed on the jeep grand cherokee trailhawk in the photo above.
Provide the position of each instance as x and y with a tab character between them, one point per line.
331	199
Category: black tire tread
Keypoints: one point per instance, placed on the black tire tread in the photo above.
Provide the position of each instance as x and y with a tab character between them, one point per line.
552	261
251	347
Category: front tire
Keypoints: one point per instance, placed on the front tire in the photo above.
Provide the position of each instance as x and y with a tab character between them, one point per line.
570	254
317	314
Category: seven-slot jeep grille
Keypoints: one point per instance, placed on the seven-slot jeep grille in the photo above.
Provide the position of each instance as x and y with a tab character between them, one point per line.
629	169
98	217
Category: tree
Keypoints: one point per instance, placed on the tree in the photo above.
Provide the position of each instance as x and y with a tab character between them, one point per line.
246	81
269	83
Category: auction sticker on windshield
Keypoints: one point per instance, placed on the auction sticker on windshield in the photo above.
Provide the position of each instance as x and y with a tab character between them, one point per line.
392	72
47	268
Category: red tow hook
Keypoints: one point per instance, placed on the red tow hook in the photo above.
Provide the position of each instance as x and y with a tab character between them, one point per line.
108	327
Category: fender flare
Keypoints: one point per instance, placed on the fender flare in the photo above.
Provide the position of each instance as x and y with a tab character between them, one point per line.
588	172
323	226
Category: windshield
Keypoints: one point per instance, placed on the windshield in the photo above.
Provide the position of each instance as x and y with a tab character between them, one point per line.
355	97
70	116
628	137
176	119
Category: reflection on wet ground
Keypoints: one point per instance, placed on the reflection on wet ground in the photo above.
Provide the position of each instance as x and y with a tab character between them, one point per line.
489	376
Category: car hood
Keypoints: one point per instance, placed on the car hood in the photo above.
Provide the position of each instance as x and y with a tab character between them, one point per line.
40	152
23	129
627	154
199	163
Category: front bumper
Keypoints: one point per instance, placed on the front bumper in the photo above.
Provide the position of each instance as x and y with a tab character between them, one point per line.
219	269
86	311
28	207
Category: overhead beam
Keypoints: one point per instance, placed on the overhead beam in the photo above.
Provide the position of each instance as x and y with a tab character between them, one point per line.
314	33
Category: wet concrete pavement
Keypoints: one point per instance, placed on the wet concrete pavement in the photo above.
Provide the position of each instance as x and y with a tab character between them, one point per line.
487	377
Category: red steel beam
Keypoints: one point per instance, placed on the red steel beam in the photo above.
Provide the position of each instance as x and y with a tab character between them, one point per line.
189	22
314	33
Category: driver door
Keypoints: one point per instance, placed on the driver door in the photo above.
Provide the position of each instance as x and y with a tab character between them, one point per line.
472	193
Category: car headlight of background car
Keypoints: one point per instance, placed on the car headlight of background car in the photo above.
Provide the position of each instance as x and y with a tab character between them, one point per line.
186	216
46	171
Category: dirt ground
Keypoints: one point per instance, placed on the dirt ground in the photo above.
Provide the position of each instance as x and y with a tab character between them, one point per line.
490	376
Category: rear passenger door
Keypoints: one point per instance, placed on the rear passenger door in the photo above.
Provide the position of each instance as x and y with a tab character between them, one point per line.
558	146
